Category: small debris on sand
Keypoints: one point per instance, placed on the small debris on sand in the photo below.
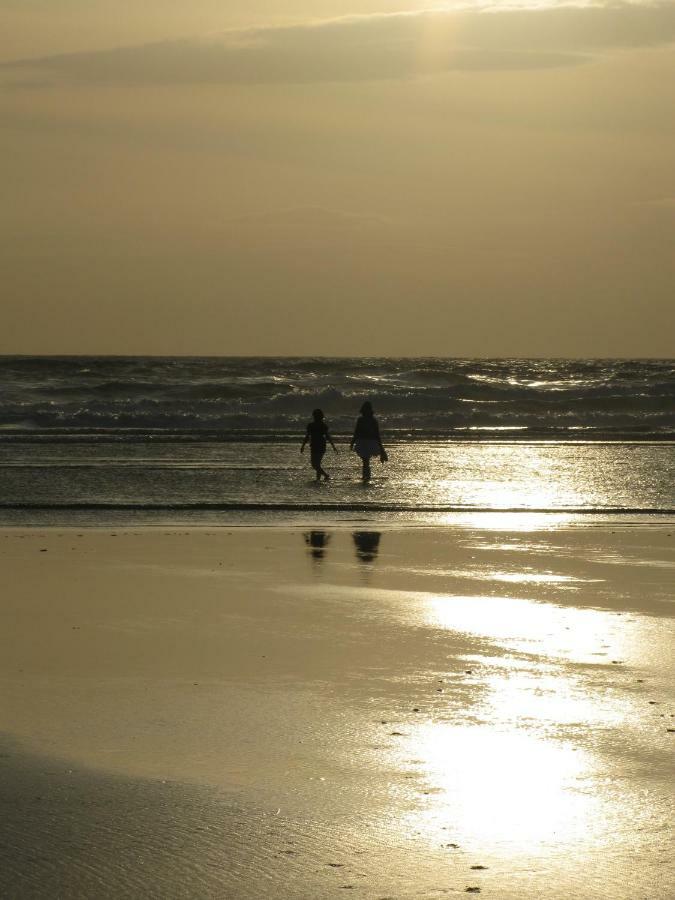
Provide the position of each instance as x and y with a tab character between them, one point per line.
335	865
479	868
472	890
397	734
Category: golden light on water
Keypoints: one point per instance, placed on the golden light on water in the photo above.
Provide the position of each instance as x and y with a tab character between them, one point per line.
504	521
526	626
500	788
512	760
533	696
496	494
508	775
520	477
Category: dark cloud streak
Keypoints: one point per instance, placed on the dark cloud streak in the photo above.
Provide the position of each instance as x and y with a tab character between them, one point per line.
379	47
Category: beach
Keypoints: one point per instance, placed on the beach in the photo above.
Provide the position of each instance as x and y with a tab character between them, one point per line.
390	711
337	450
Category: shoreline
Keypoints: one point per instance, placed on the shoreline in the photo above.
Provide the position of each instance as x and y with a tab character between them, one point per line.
390	519
296	711
504	435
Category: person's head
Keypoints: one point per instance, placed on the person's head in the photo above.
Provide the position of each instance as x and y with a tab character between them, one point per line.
317	414
367	408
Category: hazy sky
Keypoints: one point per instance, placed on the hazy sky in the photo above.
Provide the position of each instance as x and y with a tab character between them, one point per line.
336	177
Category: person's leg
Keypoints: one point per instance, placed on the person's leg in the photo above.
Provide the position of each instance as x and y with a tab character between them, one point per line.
366	468
318	468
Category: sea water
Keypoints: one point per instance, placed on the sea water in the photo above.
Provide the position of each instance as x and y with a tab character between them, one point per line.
103	440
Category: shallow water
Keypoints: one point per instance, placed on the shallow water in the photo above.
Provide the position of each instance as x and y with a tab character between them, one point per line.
102	439
252	481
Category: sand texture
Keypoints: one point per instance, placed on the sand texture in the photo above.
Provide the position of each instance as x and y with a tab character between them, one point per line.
275	712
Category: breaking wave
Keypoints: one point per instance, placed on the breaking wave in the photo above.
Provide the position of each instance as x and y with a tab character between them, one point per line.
601	398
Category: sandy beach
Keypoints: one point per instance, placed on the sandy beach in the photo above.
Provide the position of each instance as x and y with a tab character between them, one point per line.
408	712
337	450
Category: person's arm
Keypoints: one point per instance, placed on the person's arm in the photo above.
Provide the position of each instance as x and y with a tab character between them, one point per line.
355	435
330	440
302	448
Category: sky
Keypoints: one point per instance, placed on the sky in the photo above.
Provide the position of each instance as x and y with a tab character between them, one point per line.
337	177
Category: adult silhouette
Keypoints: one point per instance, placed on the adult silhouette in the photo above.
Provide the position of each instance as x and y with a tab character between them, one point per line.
366	441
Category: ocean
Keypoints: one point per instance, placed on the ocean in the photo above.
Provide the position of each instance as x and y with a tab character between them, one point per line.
109	440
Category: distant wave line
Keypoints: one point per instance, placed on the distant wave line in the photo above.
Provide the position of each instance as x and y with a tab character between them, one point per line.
342	507
155	464
553	435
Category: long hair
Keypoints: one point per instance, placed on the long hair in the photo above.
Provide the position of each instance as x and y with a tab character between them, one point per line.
367	409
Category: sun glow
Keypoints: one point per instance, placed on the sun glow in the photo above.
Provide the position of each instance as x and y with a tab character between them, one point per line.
500	788
526	626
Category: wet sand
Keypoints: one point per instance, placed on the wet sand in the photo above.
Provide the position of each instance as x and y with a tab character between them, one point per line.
277	712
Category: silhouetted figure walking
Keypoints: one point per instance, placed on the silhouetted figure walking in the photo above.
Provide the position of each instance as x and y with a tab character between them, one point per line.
366	441
317	434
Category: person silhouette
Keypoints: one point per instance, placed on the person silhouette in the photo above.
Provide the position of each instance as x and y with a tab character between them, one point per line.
366	441
317	434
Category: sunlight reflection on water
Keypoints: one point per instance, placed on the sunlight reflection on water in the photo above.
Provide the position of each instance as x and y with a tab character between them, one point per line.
544	759
501	788
447	482
530	627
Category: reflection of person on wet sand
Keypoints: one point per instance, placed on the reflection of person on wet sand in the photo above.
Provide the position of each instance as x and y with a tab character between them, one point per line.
367	544
317	434
317	541
366	441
